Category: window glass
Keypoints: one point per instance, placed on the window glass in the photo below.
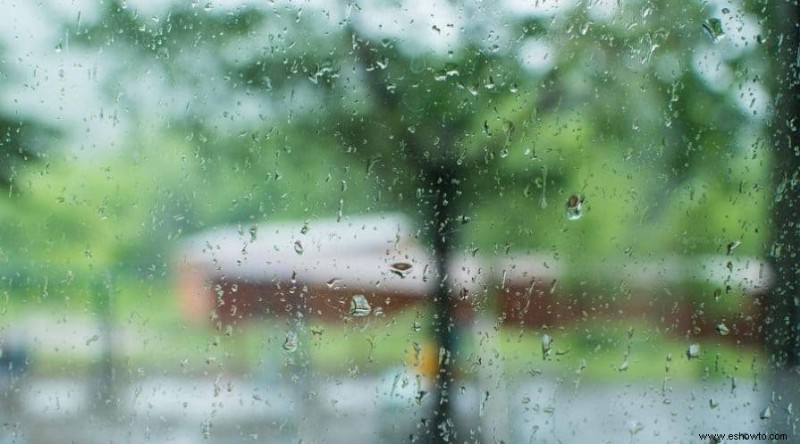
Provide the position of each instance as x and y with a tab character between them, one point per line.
338	221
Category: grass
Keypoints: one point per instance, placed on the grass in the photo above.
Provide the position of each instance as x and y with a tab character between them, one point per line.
161	342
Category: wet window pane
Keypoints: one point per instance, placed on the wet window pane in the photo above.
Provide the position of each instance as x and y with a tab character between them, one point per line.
337	221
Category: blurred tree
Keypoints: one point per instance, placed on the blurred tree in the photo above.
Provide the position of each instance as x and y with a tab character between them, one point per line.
464	112
22	138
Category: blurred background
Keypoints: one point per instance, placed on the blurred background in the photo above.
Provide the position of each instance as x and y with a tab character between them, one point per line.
336	221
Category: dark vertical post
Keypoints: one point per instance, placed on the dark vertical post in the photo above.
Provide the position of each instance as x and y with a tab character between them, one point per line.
782	309
102	292
444	180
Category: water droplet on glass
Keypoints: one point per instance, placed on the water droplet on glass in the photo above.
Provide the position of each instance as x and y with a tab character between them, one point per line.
298	247
713	28
713	404
766	413
624	366
304	230
418	65
726	11
416	326
722	329
400	268
332	283
693	352
290	343
574	207
359	306
547	343
732	246
635	427
206	430
92	339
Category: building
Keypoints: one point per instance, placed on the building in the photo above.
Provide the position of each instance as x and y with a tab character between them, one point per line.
316	268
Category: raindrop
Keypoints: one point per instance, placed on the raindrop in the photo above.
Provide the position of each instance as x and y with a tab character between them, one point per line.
400	268
332	283
635	427
693	352
574	207
766	413
359	306
298	247
290	343
624	366
206	431
253	233
304	230
547	343
732	246
92	339
726	11
543	200
418	65
713	28
712	403
416	326
722	329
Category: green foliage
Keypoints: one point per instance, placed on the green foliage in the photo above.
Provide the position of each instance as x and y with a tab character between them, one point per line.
354	120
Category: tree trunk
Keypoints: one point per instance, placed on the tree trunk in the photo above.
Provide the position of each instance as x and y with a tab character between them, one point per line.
782	310
444	182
